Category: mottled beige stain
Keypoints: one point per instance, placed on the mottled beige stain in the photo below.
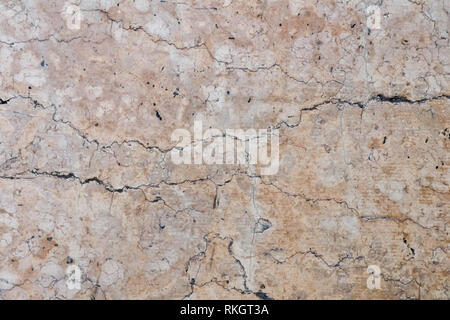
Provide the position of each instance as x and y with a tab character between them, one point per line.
86	176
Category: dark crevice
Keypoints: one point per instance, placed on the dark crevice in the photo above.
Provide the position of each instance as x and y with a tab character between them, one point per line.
402	99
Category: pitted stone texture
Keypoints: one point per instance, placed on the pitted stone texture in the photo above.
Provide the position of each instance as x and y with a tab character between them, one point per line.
86	177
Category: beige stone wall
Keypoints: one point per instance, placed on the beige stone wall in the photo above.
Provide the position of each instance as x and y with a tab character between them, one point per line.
88	108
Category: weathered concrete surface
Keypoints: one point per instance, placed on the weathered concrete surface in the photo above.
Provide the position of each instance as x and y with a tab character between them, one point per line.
86	118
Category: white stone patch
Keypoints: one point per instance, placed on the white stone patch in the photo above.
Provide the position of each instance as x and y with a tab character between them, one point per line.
439	187
332	174
8	280
182	63
9	204
102	4
94	92
227	3
21	250
13	14
53	271
104	108
5	127
215	97
160	25
118	33
394	190
46	222
8	221
33	77
295	6
112	271
31	73
351	225
7	59
142	5
224	54
5	240
304	48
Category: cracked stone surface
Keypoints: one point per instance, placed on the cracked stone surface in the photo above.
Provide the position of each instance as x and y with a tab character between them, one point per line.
86	179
